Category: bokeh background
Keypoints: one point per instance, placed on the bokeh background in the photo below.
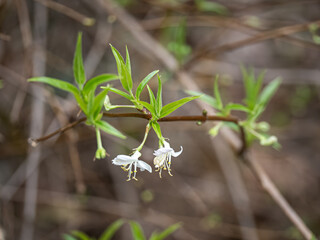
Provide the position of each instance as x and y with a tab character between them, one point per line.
57	187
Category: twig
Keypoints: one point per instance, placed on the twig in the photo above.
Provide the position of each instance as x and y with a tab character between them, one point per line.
68	12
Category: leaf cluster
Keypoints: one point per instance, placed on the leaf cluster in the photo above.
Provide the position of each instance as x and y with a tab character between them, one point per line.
254	104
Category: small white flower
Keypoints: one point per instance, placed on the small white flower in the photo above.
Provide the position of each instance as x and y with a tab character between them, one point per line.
163	157
128	162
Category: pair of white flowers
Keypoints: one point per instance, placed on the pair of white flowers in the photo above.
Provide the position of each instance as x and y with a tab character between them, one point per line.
162	161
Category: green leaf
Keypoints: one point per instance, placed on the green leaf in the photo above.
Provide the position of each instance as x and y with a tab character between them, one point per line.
63	85
208	6
137	231
68	237
269	91
121	93
81	235
123	71
78	68
144	82
157	129
169	108
166	232
128	62
149	107
111	230
217	93
248	80
204	97
159	97
106	127
93	83
152	98
235	106
97	104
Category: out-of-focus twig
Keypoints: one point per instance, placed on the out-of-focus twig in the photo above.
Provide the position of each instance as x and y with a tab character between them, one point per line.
37	115
87	21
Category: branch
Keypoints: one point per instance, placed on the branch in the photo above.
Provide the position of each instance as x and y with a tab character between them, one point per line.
196	118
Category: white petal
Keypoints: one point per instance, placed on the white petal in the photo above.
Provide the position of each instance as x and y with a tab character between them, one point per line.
176	154
123	160
166	144
136	155
161	151
144	166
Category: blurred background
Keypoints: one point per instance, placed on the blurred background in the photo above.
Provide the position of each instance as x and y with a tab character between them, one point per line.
57	187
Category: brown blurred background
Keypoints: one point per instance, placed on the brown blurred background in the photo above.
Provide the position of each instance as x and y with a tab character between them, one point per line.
57	187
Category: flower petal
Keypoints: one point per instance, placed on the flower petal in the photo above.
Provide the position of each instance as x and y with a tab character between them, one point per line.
136	155
176	154
161	151
144	166
123	160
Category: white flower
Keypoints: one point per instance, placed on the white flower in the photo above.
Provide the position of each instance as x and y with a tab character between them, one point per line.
163	157
128	162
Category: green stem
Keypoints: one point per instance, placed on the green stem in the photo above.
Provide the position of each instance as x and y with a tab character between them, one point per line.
138	149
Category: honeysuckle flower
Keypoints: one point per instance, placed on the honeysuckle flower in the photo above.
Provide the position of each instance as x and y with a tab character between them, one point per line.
163	157
129	162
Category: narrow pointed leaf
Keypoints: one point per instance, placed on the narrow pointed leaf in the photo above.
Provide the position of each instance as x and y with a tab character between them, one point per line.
169	108
121	93
144	82
237	107
80	235
63	85
111	230
128	62
204	97
98	103
152	98
149	107
93	83
124	74
106	127
159	97
157	129
78	68
269	91
217	94
68	237
137	231
168	231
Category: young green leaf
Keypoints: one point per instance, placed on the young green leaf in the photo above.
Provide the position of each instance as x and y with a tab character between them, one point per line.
159	97
93	83
63	85
137	231
78	68
237	107
249	85
111	230
68	237
152	98
121	93
169	108
81	235
204	97
166	232
123	71
157	129
98	104
269	91
144	82
106	127
128	62
149	107
217	93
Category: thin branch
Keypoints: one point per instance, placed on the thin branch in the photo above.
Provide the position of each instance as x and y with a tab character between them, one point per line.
196	118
